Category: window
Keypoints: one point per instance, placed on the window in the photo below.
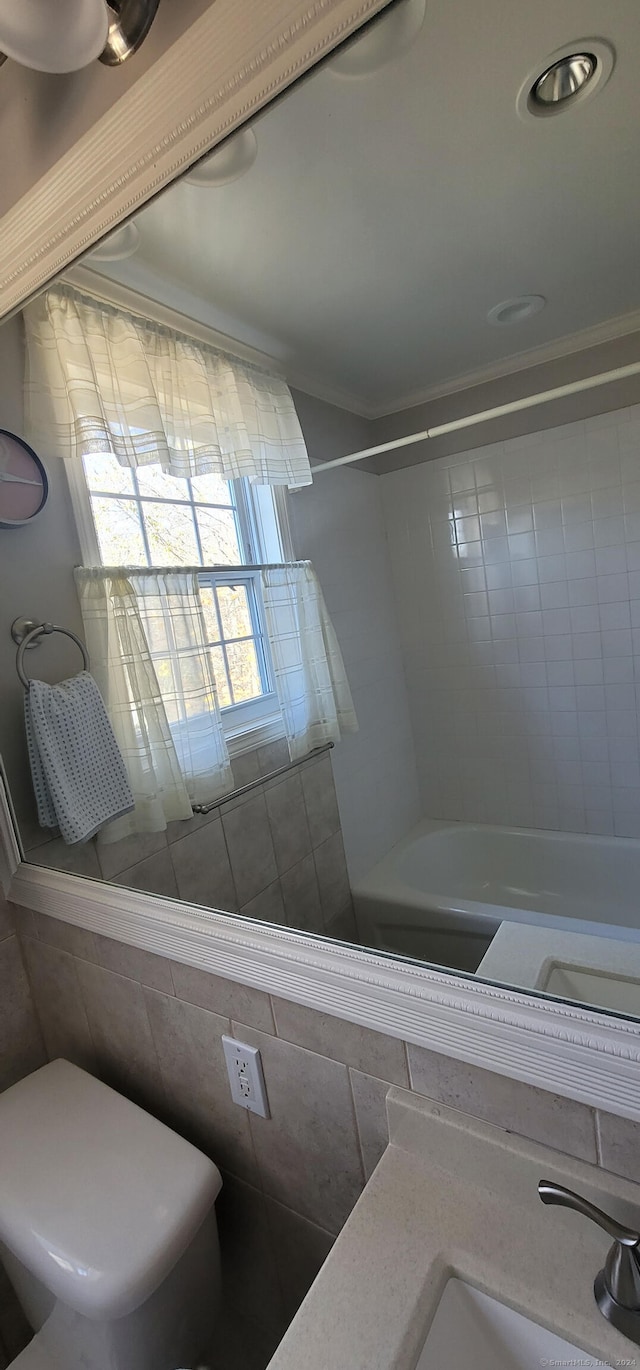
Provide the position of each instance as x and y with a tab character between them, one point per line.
142	517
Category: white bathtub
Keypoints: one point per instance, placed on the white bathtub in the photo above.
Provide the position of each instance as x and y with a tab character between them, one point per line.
443	891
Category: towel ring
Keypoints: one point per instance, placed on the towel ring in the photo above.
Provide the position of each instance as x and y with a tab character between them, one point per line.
29	640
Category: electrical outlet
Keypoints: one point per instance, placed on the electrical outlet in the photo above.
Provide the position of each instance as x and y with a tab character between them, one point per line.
244	1068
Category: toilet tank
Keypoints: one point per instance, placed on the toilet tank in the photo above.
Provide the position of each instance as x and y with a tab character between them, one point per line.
98	1200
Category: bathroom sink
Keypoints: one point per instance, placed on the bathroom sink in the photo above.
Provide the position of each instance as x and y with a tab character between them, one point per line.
472	1329
618	992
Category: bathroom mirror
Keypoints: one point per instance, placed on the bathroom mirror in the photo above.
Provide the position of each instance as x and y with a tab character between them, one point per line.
404	709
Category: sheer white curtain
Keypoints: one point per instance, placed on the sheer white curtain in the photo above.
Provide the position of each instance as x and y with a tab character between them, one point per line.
310	678
99	379
147	644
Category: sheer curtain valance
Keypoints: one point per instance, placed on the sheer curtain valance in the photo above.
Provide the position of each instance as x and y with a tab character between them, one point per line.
99	379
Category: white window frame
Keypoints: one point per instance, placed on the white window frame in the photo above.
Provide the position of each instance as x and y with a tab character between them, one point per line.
264	529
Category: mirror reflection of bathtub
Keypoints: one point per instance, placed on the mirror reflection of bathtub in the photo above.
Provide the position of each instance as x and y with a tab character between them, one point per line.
442	893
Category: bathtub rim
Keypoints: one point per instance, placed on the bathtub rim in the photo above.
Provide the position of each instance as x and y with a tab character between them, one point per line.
383	884
588	1055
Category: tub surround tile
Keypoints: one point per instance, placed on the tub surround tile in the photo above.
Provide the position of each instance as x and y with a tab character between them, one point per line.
531	1112
343	926
250	847
619	1145
272	755
65	936
129	851
81	858
124	1047
250	1276
21	1046
320	800
301	896
202	868
360	1047
307	1151
370	1102
60	1006
189	1049
300	1249
288	819
155	875
268	906
134	962
333	878
227	998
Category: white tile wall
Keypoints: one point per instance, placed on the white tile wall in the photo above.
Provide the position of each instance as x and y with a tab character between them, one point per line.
338	523
517	579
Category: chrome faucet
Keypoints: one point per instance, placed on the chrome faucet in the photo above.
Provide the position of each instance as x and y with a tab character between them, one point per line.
617	1285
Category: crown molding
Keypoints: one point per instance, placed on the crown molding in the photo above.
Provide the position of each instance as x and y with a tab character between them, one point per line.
570	344
226	67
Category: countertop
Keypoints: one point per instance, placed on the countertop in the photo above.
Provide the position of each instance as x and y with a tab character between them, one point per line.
452	1196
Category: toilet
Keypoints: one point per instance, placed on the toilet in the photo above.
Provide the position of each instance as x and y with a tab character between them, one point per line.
107	1228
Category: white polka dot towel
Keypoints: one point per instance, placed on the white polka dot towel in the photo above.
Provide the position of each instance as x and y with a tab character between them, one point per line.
78	774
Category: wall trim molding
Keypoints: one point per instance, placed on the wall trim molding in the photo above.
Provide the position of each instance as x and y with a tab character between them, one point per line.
228	65
582	1054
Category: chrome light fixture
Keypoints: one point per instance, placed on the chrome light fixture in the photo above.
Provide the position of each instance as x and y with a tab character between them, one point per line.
68	35
129	24
564	79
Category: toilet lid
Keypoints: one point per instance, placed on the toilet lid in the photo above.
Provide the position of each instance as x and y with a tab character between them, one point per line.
97	1198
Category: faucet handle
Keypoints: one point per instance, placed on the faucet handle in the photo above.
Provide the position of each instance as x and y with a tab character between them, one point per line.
551	1193
617	1285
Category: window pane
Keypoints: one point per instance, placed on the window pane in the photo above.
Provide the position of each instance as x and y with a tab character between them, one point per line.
171	534
210	616
119	532
211	490
153	481
243	669
234	611
105	473
219	671
218	537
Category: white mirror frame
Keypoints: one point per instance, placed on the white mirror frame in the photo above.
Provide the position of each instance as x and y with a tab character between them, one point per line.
228	65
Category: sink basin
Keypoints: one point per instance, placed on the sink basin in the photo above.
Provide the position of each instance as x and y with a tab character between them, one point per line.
618	992
472	1329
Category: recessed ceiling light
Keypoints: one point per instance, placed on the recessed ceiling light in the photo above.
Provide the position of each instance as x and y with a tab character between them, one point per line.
516	310
123	243
226	163
562	80
384	38
566	78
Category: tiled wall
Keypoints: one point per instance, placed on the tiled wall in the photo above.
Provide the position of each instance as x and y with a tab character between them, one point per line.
275	854
517	578
21	1051
338	524
152	1028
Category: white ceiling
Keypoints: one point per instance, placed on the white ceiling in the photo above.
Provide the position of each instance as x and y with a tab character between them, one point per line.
385	215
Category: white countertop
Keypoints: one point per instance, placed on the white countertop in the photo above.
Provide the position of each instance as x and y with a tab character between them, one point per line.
456	1196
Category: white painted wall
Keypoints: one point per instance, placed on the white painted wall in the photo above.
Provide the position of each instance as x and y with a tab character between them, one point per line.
36	580
338	523
517	580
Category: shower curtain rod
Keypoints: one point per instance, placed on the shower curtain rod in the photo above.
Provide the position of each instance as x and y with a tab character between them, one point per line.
527	402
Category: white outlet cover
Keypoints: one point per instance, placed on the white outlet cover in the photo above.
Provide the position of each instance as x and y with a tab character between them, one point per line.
244	1068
